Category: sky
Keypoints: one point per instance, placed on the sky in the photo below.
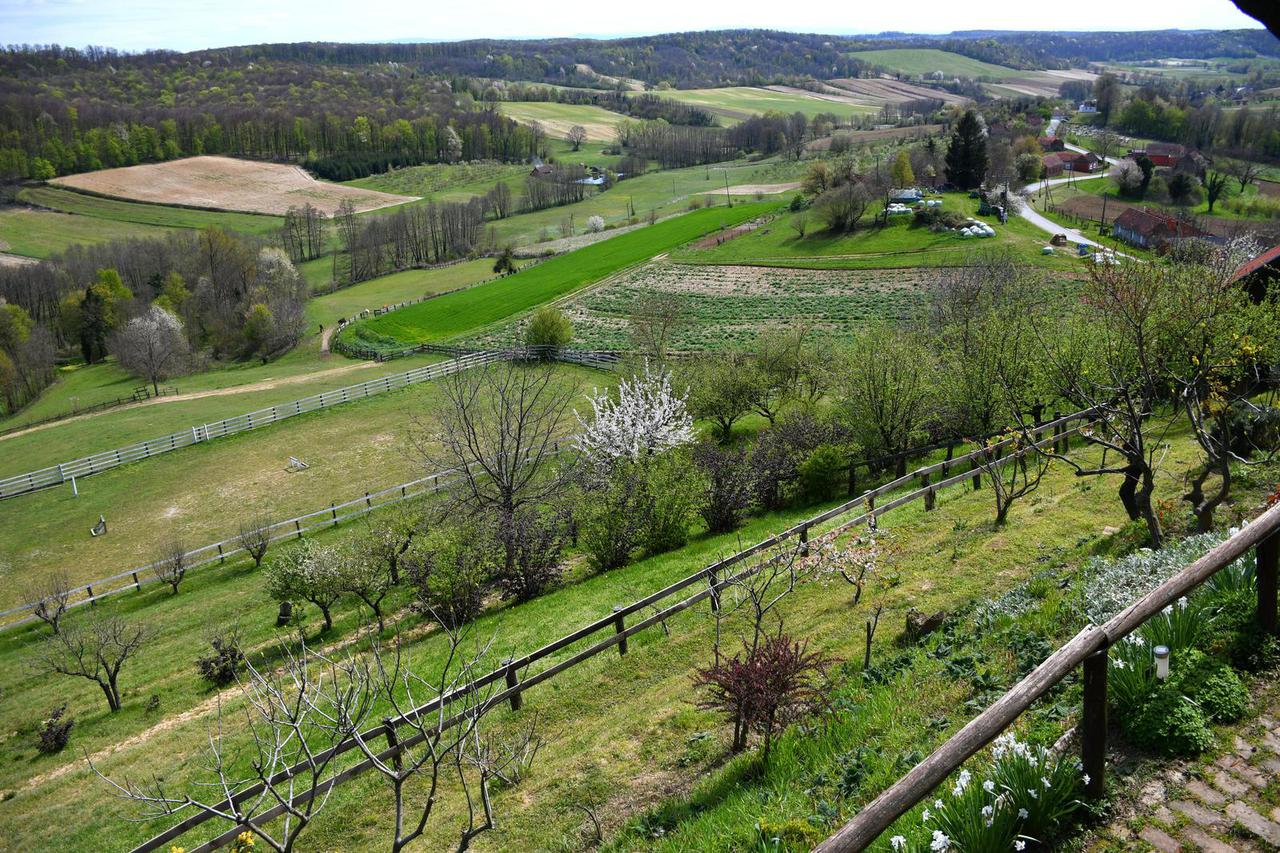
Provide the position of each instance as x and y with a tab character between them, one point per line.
194	24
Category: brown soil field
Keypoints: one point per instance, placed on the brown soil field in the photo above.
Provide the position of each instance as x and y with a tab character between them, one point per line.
225	183
756	189
1269	188
1090	207
8	260
887	91
1042	84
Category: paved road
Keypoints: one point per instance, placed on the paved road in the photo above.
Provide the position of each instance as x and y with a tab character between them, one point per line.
1046	224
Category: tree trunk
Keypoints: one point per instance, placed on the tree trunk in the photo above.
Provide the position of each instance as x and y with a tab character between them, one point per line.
1128	491
112	694
1147	512
328	617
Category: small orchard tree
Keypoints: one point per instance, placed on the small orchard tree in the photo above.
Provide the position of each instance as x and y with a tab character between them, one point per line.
307	572
548	327
505	264
366	579
255	537
1128	177
1014	468
576	136
1215	184
646	416
728	485
723	387
95	649
886	388
840	208
170	565
655	319
900	172
449	569
595	224
537	540
50	598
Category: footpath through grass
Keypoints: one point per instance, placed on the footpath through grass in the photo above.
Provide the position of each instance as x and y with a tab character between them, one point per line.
472	309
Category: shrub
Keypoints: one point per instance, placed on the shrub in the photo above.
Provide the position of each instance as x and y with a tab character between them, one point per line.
1170	724
776	456
536	542
595	224
1223	696
548	327
823	472
728	485
1113	584
449	570
54	731
671	496
220	668
609	519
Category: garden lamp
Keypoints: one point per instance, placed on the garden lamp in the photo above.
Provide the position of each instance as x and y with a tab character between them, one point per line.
1162	662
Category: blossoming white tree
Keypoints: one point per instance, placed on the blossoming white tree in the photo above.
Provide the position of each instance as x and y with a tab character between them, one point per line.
645	417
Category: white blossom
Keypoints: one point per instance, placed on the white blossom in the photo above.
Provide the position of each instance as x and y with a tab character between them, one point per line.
1023	814
925	817
1019	845
898	842
989	786
940	841
645	417
1086	778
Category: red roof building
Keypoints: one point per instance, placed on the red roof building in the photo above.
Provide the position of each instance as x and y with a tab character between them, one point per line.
1260	274
1148	229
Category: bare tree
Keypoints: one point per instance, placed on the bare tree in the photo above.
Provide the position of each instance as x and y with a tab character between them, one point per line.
444	741
171	565
800	223
295	716
498	430
1014	467
255	537
96	649
655	319
152	346
50	596
576	136
1245	172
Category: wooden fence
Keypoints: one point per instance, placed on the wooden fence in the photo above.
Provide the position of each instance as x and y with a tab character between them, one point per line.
514	674
1087	650
138	396
99	462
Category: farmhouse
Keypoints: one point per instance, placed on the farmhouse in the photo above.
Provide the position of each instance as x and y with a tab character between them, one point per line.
1148	229
1260	273
1057	162
1166	154
1052	143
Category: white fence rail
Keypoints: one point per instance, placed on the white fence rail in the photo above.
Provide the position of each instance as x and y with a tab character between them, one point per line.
87	465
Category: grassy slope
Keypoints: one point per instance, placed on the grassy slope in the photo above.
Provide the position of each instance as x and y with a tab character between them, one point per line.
84	204
620	732
1104	187
916	61
477	307
41	233
899	244
598	121
739	102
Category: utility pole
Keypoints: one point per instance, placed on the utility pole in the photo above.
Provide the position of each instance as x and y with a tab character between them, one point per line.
728	199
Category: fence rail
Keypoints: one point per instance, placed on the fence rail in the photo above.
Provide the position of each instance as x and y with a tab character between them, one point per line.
138	396
99	462
1087	650
713	579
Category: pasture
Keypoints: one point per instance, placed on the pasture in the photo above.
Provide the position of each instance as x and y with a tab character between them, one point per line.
444	181
38	233
467	311
922	61
556	119
226	183
739	102
729	306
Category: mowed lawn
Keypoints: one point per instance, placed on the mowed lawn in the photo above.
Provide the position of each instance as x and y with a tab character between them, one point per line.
397	287
925	60
896	245
474	308
740	102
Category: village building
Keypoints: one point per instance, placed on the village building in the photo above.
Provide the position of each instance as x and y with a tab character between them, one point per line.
1149	229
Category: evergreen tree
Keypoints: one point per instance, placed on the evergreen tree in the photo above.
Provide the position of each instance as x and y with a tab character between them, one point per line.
967	152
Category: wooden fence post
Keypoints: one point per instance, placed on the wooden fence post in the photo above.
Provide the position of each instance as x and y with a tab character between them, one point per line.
136	583
333	510
804	541
297	526
1093	724
713	577
221	557
393	741
513	680
620	625
89	590
1266	555
929	497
